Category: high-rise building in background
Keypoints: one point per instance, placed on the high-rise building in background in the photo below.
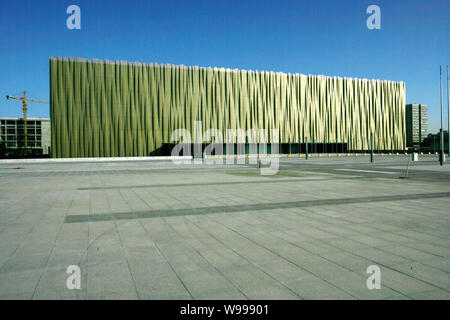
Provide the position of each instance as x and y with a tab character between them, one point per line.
416	124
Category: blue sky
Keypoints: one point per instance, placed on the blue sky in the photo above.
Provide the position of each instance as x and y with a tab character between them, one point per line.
326	37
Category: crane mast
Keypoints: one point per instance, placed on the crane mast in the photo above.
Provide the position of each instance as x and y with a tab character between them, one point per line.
25	109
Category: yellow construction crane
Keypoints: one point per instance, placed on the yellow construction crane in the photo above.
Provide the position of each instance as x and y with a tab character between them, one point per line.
24	108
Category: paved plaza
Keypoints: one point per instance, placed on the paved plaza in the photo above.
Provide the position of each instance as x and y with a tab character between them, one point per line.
156	230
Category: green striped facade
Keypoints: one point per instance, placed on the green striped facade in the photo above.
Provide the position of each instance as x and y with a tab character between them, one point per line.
124	109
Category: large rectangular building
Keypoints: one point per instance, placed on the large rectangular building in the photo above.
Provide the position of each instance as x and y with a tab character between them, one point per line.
38	134
109	109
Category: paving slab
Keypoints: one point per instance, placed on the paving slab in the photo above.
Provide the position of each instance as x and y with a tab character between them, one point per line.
156	230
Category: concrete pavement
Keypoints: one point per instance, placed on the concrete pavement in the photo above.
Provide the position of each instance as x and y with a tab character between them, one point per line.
154	230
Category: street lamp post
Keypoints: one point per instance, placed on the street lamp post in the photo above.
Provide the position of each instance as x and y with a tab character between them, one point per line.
441	158
448	120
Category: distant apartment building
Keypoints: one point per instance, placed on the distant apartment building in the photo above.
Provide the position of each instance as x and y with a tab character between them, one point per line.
416	124
38	134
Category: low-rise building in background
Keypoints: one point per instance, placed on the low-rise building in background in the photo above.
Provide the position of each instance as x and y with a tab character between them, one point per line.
12	138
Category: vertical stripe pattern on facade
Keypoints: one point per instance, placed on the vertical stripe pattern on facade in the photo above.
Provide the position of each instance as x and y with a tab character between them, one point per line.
117	109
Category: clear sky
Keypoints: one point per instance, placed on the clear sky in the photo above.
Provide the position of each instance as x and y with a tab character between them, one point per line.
328	37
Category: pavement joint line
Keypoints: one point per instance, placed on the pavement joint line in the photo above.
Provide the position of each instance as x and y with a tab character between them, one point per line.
369	171
395	270
342	249
199	253
412	206
248	207
95	159
383	265
128	262
121	243
400	234
306	179
167	261
52	173
243	257
51	251
288	260
27	237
